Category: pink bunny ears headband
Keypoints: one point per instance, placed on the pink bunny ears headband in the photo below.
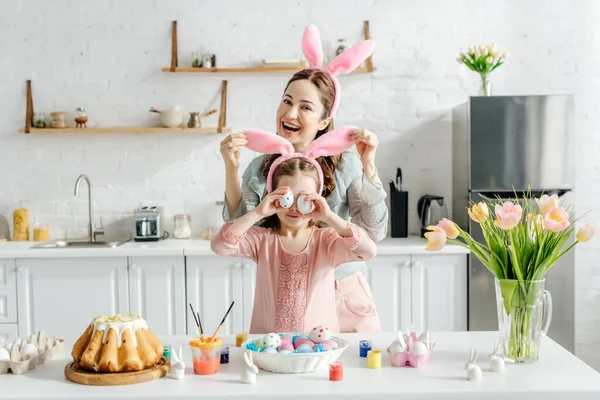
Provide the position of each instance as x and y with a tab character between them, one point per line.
329	144
340	65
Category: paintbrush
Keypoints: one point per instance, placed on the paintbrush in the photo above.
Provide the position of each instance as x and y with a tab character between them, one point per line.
198	323
222	321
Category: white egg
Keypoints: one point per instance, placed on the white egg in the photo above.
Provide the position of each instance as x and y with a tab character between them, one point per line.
29	351
418	349
272	340
305	206
397	347
287	201
320	334
8	346
269	350
4	355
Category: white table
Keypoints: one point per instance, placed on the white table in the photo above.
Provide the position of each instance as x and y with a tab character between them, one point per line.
557	375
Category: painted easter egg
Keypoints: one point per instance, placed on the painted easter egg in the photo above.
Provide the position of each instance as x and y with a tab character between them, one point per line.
305	206
286	338
304	348
272	340
269	350
286	346
329	345
304	341
287	200
299	338
260	343
285	351
320	334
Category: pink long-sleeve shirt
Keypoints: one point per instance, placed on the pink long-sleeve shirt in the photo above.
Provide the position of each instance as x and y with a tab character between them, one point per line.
294	292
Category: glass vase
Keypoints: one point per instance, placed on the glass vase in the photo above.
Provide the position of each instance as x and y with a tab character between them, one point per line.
485	87
524	315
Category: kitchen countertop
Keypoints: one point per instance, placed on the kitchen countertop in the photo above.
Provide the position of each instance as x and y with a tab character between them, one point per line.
195	247
557	375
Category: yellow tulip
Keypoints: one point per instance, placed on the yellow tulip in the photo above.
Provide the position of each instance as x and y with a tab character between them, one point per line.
479	212
436	239
585	233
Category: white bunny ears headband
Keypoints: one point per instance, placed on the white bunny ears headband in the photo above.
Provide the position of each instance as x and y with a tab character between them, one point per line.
340	65
331	143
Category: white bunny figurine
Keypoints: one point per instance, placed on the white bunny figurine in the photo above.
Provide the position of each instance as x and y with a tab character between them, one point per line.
473	370
178	367
496	362
250	371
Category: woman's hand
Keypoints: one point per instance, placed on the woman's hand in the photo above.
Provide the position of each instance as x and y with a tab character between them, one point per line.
270	204
366	144
321	210
230	149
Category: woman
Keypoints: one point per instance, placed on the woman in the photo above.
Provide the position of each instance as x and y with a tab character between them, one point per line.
352	188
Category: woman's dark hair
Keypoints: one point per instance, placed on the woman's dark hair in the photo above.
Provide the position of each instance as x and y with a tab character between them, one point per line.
290	168
326	90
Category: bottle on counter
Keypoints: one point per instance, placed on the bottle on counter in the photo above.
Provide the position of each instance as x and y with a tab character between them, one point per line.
41	232
21	224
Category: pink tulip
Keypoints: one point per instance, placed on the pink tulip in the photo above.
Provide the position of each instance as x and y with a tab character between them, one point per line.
508	215
436	239
556	219
547	203
585	233
449	228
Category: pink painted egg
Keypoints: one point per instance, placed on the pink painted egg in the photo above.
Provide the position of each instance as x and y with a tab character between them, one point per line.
286	346
329	344
304	341
286	338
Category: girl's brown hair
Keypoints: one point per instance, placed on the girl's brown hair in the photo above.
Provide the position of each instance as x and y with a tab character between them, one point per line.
290	168
326	90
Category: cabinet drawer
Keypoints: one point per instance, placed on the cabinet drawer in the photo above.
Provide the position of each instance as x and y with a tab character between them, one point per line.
8	280
8	332
8	306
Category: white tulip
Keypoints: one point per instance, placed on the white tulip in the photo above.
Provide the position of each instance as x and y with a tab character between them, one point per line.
469	59
493	48
485	51
489	60
470	50
459	60
506	54
481	49
477	53
495	54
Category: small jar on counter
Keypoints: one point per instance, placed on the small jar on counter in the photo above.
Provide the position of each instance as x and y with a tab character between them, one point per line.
374	359
41	232
182	228
21	224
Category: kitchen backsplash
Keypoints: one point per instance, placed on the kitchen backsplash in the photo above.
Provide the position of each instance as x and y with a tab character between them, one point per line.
107	57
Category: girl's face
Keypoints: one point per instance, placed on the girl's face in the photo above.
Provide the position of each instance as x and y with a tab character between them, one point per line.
299	183
299	114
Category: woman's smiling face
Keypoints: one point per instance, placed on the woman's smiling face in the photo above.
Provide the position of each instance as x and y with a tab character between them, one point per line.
300	114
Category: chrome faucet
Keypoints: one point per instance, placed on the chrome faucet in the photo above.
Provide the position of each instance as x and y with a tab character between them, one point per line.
92	232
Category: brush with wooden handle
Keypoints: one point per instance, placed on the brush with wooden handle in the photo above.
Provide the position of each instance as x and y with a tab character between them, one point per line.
206	114
222	321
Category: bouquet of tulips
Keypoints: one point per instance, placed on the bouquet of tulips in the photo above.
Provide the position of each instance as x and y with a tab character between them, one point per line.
518	252
483	59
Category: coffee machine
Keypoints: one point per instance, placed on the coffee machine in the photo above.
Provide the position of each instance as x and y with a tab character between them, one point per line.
429	212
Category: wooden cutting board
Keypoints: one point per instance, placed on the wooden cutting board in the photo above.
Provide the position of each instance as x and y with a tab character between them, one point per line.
76	374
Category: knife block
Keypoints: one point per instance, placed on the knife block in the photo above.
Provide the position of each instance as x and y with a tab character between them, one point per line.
399	211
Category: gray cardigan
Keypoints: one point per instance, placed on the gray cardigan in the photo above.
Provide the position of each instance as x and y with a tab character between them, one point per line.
355	198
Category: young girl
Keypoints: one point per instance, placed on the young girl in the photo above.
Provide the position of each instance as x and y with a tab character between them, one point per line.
295	258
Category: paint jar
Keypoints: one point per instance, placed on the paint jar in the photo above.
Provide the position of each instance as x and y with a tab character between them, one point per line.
240	338
206	355
336	371
167	352
225	355
182	226
364	346
374	359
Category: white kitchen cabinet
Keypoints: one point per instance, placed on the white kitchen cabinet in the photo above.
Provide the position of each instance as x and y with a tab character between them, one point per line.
8	332
157	293
8	280
420	292
62	295
213	282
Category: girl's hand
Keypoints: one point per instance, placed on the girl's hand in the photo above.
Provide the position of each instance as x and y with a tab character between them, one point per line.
270	204
230	149
366	144
321	211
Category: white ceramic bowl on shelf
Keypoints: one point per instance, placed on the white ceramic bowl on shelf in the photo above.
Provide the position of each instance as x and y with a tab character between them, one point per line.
296	363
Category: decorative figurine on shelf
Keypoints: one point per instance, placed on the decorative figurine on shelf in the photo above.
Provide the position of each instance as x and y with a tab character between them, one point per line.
473	370
196	61
81	118
177	365
250	371
194	121
39	120
341	47
495	358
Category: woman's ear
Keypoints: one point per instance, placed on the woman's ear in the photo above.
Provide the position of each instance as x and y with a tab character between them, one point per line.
324	123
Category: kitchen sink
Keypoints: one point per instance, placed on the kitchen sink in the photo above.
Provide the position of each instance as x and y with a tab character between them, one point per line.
62	244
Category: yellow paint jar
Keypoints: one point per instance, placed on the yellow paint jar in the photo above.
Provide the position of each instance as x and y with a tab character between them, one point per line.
374	359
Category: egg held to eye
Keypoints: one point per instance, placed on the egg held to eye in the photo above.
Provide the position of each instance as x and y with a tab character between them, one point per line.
287	200
305	206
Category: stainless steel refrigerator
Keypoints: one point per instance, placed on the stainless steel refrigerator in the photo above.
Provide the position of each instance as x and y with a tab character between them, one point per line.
521	142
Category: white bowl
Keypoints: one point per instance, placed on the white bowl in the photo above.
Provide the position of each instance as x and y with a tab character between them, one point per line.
297	363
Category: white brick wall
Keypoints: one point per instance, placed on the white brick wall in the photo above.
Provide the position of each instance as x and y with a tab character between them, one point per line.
107	55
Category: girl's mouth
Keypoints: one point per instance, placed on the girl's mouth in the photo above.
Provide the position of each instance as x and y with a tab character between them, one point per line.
293	216
290	129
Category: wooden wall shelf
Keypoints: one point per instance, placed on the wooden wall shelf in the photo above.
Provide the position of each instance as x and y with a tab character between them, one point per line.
127	129
175	63
221	128
250	70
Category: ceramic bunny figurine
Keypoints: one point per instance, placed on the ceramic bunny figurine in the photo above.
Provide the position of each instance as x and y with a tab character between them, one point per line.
473	370
495	359
177	366
250	371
